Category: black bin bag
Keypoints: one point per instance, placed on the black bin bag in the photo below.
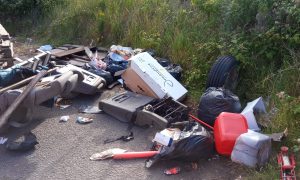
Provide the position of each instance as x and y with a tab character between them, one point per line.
217	100
194	144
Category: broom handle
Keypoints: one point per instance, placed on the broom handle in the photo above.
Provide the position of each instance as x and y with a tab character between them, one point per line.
201	122
133	155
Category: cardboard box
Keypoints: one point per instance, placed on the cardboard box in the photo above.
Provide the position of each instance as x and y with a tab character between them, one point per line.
153	78
136	84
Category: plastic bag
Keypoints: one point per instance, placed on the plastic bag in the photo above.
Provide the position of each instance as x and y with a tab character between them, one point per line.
24	143
194	144
217	100
174	69
14	75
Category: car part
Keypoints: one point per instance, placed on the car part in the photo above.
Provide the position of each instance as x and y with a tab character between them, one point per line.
224	73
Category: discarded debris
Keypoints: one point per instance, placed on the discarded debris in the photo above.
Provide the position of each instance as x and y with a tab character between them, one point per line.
278	137
83	120
135	155
228	127
117	153
254	107
126	138
46	47
123	106
90	110
167	136
252	149
106	154
194	143
215	101
153	102
281	95
6	48
9	111
172	171
3	140
24	143
62	103
153	78
14	75
64	118
287	164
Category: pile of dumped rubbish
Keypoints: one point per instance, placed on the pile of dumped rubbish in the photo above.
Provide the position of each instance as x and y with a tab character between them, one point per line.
153	98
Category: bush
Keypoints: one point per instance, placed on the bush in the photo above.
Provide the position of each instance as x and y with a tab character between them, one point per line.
20	8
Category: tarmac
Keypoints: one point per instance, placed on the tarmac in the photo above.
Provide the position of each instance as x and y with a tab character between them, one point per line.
64	149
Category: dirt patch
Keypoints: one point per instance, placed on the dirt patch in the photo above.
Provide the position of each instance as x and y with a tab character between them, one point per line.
24	50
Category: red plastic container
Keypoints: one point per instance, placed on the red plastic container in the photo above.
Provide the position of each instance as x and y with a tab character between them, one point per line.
227	128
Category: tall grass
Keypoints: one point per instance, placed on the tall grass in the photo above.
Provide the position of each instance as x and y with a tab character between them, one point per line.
194	33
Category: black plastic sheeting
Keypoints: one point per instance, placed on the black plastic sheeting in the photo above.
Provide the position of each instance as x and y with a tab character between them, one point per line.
174	69
24	143
217	100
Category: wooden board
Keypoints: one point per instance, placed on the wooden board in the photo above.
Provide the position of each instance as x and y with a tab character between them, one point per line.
68	52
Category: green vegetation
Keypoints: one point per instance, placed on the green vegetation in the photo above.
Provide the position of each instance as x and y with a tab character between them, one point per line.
264	35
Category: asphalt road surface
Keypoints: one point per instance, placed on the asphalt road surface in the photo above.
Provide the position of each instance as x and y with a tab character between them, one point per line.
64	149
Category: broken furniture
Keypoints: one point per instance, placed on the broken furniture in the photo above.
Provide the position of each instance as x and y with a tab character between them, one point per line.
75	54
124	106
91	83
162	113
143	110
8	112
6	48
63	85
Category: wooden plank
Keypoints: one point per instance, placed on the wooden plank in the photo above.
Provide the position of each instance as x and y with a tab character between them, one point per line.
47	58
88	52
5	116
77	63
68	52
55	51
31	60
71	46
81	57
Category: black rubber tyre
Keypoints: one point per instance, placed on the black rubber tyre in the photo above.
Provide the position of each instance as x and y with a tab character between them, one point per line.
224	73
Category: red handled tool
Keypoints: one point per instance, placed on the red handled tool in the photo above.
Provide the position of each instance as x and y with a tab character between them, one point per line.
134	155
287	164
